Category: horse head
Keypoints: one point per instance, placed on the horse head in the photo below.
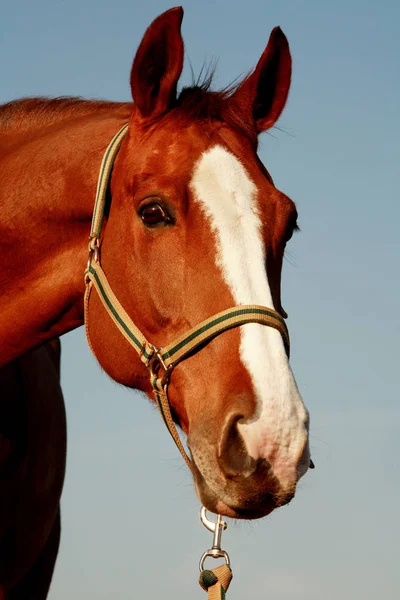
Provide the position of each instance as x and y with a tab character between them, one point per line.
197	226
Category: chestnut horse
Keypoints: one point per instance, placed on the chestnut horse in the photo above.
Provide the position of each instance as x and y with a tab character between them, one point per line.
194	226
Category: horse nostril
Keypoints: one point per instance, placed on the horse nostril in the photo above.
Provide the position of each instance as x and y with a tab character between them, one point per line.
233	457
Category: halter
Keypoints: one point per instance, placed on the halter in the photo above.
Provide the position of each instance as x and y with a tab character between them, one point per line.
160	362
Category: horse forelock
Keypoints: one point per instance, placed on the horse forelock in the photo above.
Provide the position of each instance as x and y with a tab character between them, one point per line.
199	103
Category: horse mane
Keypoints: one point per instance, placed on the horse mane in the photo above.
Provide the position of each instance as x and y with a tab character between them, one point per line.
194	103
28	113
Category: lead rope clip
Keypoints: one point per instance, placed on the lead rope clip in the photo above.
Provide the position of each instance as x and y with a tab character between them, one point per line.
216	528
215	581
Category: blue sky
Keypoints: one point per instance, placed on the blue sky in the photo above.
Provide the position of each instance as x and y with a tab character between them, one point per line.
130	515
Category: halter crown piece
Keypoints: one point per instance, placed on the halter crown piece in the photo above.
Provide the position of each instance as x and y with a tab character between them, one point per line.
160	362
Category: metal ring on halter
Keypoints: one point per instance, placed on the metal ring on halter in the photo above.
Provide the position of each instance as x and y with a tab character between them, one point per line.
156	363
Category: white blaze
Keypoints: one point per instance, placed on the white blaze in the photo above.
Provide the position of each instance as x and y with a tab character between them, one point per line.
228	197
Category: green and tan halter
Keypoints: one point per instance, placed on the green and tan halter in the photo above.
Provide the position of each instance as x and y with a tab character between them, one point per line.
160	361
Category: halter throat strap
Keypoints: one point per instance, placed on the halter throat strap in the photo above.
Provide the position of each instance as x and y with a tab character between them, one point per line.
159	361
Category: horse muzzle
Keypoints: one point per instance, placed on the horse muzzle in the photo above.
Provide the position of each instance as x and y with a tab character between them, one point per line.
231	482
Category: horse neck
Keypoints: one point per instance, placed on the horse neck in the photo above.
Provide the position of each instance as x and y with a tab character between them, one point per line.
47	194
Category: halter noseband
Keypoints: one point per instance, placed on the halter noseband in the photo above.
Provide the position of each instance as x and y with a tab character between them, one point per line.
159	361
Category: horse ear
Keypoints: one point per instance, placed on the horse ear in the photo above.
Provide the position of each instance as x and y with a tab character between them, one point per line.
158	65
262	96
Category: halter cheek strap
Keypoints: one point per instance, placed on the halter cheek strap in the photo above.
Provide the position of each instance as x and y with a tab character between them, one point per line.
160	361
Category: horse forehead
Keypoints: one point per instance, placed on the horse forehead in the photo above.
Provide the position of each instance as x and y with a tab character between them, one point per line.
176	154
236	172
171	149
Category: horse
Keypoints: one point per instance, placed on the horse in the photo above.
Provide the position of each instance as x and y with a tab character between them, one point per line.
32	467
193	225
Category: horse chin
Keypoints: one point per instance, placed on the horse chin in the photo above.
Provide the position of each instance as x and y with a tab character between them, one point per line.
241	513
230	503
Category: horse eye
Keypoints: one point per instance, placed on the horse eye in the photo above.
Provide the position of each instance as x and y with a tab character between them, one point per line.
154	214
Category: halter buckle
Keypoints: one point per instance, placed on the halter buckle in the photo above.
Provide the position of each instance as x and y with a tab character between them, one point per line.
94	251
